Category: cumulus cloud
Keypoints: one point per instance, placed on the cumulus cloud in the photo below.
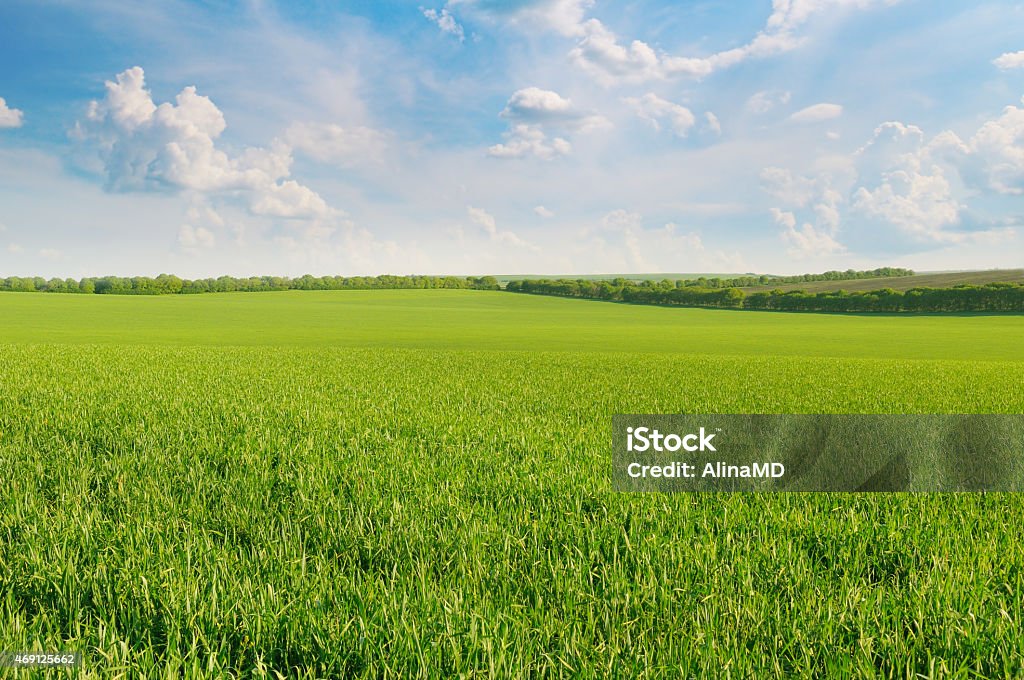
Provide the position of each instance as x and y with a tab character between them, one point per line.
524	141
1006	62
806	240
541	211
337	145
817	236
766	100
599	51
172	147
789	188
906	187
445	21
535	106
289	199
816	200
918	203
906	180
993	158
9	118
817	113
486	221
657	111
900	184
534	114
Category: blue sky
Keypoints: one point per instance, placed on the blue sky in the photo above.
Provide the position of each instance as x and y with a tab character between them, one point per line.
529	136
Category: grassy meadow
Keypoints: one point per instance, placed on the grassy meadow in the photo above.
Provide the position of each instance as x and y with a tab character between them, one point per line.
417	484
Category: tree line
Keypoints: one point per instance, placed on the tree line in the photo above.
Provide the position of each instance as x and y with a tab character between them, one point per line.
767	280
991	297
167	284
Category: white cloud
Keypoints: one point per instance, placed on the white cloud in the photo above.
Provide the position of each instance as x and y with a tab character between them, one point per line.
9	118
562	16
195	237
783	185
486	221
621	239
599	52
918	203
541	211
656	110
51	254
199	212
291	200
817	113
764	101
482	218
809	241
991	160
891	139
14	248
783	218
197	231
535	106
1006	62
626	226
814	197
345	247
146	147
901	185
445	21
713	124
904	187
994	155
524	141
532	112
330	143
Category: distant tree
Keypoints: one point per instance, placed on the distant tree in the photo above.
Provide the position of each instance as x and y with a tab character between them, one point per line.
168	284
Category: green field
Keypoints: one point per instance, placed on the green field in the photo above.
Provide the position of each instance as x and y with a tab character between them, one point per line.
484	320
417	483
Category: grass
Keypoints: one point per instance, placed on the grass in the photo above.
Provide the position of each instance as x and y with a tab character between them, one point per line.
457	320
417	483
